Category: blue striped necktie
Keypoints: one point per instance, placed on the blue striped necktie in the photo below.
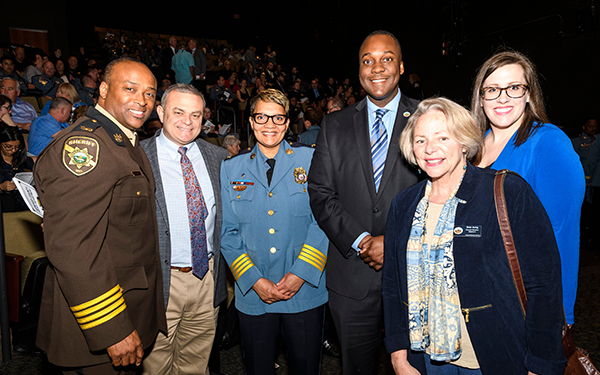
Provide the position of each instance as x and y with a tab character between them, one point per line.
197	214
379	146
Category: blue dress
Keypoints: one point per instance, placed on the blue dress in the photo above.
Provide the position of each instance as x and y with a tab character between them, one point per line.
549	164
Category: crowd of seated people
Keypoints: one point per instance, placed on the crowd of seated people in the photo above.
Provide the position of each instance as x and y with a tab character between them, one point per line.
229	78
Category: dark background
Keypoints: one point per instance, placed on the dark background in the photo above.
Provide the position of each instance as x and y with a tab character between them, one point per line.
323	37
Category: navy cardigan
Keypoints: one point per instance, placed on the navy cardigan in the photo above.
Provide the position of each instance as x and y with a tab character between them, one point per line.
504	341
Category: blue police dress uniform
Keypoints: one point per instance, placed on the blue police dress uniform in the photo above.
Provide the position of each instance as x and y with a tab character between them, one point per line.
269	231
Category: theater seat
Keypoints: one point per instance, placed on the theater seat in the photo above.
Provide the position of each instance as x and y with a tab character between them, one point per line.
26	264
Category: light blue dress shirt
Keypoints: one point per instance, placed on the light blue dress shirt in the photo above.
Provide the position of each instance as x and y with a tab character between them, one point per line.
388	121
175	198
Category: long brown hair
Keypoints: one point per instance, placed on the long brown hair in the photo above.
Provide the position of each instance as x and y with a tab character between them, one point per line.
534	109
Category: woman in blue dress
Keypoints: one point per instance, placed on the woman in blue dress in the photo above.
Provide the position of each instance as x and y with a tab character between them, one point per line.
507	103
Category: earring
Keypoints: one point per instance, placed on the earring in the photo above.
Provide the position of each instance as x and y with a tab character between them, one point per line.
465	167
419	170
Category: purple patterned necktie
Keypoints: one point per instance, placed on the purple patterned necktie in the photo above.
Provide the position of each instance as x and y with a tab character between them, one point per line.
197	214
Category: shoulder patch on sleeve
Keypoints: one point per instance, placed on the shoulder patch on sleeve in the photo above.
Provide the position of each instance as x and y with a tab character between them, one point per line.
80	154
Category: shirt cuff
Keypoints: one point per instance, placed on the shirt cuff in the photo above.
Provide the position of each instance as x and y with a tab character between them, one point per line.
357	241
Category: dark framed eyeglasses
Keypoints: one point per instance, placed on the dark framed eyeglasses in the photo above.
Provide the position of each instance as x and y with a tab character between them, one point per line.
513	91
8	147
261	118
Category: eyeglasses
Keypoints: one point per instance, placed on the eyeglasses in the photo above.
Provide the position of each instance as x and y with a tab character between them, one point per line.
7	107
261	118
513	91
8	147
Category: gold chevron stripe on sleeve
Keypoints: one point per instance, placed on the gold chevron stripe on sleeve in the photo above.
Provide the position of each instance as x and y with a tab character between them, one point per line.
313	256
105	319
241	265
96	300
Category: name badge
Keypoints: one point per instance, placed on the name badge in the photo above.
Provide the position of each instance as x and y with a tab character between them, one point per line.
467	231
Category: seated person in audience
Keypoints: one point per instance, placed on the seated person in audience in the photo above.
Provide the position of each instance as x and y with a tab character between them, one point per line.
152	126
67	91
14	160
61	71
87	91
164	84
47	83
5	108
19	60
22	113
45	127
33	69
221	94
232	144
72	70
7	69
296	114
335	104
312	124
209	129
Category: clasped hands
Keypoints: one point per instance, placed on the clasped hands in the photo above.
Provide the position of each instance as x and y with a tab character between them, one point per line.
371	251
285	289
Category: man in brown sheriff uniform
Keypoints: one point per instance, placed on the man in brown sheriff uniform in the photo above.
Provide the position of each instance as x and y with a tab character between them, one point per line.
102	303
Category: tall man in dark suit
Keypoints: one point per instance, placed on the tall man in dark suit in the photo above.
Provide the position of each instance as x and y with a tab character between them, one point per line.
102	299
356	172
191	295
199	79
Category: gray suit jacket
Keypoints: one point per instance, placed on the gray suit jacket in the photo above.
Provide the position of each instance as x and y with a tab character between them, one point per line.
213	156
199	62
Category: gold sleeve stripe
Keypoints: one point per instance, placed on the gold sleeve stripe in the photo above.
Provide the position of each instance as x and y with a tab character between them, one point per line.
99	306
103	297
313	256
241	265
109	309
103	320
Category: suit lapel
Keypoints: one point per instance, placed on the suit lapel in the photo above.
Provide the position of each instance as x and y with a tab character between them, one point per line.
363	147
283	165
159	192
256	167
393	155
212	164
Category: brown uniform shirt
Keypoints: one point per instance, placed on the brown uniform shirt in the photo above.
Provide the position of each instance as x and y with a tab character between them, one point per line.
100	235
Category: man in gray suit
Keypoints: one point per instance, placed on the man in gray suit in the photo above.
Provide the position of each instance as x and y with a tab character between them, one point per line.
188	209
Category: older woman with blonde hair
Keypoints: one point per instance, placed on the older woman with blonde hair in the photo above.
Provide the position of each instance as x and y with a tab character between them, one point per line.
450	305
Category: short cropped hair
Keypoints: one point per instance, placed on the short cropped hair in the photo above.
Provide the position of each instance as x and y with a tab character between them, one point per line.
461	127
111	65
184	88
230	140
271	96
382	32
59	102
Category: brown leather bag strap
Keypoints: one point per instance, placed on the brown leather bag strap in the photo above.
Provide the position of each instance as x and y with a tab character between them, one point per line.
507	237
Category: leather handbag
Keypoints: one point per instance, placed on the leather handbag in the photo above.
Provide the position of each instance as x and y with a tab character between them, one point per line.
579	362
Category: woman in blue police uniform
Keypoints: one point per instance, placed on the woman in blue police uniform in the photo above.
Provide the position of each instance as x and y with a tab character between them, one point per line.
273	245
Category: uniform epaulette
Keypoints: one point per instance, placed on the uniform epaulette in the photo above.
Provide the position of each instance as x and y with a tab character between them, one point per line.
298	144
88	126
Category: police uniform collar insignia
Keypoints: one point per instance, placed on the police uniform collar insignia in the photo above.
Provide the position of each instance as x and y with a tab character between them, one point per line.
253	155
118	137
43	82
300	175
80	154
86	129
289	151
